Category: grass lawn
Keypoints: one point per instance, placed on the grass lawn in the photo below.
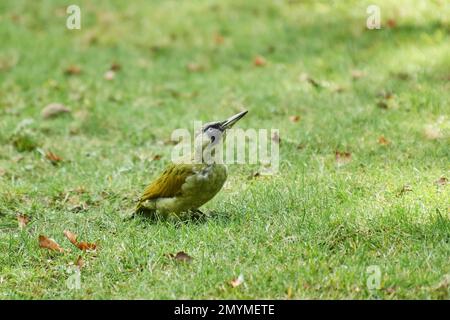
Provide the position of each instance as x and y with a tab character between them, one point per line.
313	230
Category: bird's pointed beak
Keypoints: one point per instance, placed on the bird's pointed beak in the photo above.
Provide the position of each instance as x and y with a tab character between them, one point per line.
227	124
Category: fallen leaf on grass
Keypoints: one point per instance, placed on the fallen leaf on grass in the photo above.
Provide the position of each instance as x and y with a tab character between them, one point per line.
194	67
259	61
50	244
442	181
115	66
72	70
80	262
53	158
383	141
80	245
53	110
71	236
22	220
294	118
391	23
237	281
86	246
180	256
343	158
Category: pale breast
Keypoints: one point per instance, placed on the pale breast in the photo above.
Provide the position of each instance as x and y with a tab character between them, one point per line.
204	184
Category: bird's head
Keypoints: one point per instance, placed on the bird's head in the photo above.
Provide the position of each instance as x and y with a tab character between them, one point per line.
214	132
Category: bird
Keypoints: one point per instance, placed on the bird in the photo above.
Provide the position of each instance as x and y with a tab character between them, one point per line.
190	182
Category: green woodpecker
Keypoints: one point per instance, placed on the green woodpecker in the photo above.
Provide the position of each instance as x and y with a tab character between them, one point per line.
187	184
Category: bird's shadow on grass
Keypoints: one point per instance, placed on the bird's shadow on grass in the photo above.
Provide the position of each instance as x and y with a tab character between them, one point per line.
194	218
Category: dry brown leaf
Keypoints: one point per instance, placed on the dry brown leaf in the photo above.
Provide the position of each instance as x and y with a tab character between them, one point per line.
442	181
294	118
194	67
86	246
80	245
180	256
72	70
183	256
237	281
259	61
80	262
53	110
391	23
115	66
53	158
22	220
109	75
71	236
383	141
50	244
343	158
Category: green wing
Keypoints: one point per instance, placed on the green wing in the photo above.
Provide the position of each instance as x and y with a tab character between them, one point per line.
169	183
